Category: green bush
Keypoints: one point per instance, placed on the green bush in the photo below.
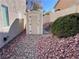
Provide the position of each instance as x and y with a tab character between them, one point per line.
66	26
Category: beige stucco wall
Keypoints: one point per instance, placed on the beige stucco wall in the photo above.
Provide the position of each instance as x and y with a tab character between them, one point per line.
11	32
15	8
63	4
55	15
16	26
46	19
35	18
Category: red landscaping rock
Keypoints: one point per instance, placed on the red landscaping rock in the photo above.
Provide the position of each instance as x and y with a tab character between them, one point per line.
41	47
54	48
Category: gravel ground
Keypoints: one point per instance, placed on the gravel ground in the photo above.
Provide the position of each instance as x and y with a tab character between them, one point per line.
55	48
22	47
41	47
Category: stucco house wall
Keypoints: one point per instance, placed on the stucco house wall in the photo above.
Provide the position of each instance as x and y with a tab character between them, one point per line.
64	7
63	4
34	23
17	17
46	19
14	8
67	11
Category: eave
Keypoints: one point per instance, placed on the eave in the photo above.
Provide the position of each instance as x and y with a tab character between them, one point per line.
57	3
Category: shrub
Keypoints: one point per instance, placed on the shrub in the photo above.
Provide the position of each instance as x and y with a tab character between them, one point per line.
66	26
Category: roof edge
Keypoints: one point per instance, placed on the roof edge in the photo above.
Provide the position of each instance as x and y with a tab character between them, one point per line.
56	3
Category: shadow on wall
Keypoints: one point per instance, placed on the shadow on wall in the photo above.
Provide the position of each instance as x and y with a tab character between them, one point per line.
2	38
15	29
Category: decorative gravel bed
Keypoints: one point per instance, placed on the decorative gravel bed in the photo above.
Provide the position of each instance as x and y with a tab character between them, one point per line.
41	47
55	48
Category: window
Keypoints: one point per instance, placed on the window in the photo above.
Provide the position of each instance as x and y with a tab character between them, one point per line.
5	15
